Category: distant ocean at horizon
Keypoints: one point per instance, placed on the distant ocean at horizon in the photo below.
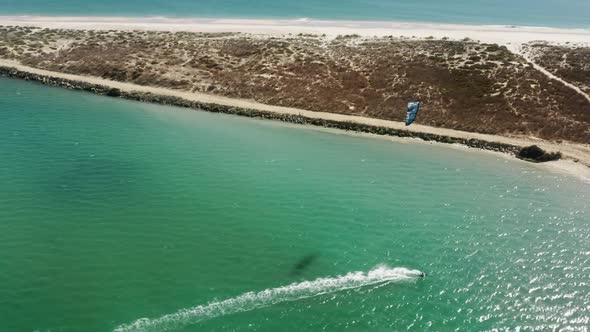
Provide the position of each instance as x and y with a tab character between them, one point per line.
546	13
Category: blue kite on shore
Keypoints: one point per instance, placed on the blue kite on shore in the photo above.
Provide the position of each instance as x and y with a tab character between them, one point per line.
412	112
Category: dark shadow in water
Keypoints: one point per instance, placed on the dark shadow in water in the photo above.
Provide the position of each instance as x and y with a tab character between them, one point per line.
101	179
303	264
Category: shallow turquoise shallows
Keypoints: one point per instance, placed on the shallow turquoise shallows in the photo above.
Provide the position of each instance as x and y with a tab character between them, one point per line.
112	211
552	13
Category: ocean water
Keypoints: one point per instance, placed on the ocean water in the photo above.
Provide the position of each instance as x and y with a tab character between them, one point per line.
552	13
122	216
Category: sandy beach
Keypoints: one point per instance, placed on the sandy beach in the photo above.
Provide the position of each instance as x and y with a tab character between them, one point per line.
505	35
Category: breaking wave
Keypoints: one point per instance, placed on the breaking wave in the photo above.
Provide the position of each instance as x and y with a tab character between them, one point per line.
253	300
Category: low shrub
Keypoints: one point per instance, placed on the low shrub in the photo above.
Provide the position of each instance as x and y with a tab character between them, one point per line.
536	154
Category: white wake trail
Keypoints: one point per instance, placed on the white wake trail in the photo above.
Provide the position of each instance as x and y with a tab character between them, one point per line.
253	300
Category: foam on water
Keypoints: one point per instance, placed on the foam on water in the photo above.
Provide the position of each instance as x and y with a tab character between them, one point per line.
253	300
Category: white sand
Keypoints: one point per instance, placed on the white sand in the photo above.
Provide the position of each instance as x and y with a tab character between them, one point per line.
505	35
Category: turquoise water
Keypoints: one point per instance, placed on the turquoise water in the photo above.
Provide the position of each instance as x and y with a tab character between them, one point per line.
112	211
553	13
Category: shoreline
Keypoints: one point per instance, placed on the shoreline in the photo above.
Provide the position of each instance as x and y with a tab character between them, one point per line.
218	104
499	34
274	20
